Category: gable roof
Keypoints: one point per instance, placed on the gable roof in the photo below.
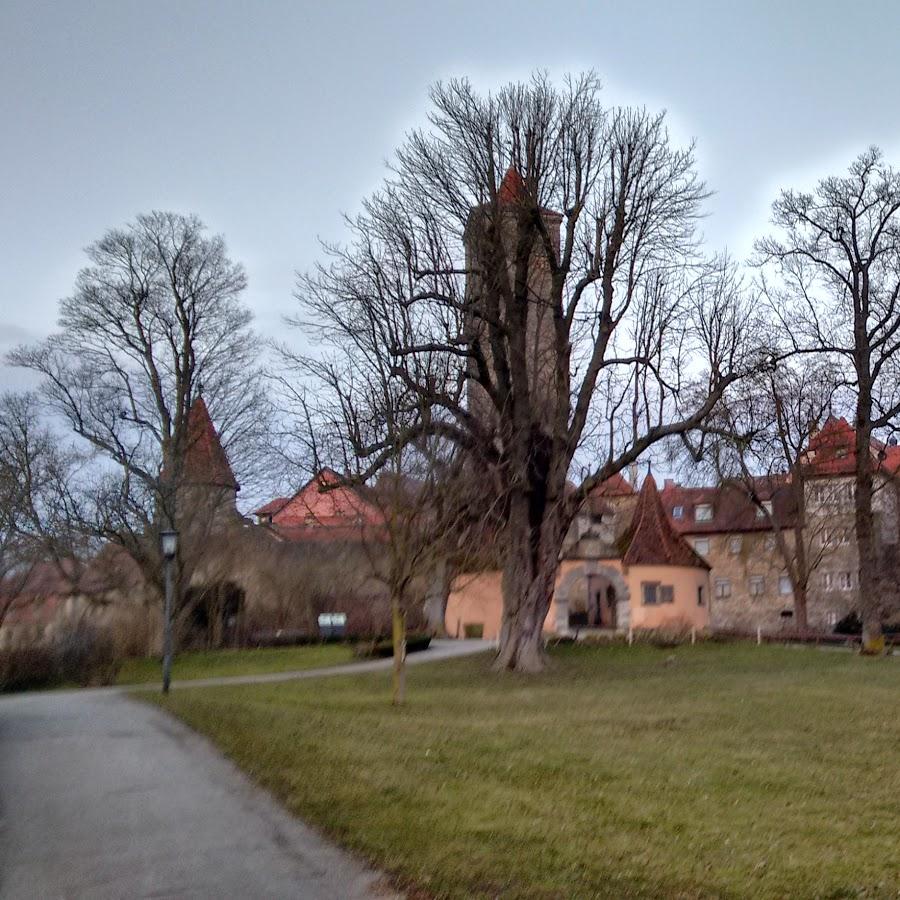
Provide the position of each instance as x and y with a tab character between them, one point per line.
205	461
326	507
651	540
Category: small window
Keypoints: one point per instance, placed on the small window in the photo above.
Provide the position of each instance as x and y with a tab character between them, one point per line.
769	542
735	542
723	588
828	580
650	591
845	581
784	586
677	512
700	600
666	593
703	512
701	545
831	618
764	510
757	584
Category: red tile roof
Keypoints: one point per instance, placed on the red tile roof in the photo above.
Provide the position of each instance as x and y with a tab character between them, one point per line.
614	486
324	506
732	508
512	188
651	540
205	461
272	507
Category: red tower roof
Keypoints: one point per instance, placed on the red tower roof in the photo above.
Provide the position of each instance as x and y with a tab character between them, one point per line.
652	541
205	461
512	188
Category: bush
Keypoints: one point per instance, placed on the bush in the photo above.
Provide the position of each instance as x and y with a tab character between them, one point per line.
672	635
28	668
87	656
84	655
473	630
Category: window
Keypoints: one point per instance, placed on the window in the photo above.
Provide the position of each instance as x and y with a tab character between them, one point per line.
847	492
735	543
835	537
769	542
831	618
757	585
845	580
828	580
820	493
701	545
677	512
700	600
784	586
723	588
764	510
655	593
703	512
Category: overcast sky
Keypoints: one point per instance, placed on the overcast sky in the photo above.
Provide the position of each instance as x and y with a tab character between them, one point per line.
268	119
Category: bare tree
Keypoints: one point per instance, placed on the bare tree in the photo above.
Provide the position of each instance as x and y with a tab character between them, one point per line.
38	504
526	312
832	272
156	314
758	443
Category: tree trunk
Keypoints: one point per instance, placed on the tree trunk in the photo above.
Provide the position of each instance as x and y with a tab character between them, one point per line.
870	608
398	622
529	575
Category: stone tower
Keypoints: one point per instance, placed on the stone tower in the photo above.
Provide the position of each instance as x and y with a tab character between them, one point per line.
505	220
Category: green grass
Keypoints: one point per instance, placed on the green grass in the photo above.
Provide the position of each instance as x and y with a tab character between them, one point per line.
214	663
707	771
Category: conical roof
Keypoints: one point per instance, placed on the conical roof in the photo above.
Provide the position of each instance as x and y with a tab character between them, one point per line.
512	188
205	461
651	540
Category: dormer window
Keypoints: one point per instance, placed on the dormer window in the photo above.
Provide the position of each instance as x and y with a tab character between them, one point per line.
764	510
677	512
703	512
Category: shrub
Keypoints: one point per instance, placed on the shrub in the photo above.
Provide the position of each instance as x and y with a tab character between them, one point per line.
28	667
87	655
473	630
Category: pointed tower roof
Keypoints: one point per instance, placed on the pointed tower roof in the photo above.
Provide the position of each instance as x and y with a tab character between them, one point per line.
651	540
205	461
512	188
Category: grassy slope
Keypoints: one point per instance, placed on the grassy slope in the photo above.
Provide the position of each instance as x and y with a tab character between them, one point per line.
213	663
706	771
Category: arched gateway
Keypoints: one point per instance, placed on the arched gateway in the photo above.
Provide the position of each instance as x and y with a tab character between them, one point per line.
591	595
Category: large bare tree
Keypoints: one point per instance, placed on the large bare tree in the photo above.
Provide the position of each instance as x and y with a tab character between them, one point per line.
38	499
757	443
154	318
832	272
529	274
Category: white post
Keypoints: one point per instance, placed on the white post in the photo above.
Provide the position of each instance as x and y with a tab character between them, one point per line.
630	635
693	635
758	635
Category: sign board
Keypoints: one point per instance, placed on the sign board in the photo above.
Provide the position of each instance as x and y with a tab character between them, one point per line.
331	620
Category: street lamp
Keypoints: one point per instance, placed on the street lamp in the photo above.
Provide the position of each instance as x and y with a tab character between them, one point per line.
168	543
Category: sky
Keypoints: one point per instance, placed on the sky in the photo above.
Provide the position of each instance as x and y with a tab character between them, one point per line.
271	119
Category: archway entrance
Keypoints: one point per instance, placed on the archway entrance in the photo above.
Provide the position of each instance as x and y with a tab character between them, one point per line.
591	596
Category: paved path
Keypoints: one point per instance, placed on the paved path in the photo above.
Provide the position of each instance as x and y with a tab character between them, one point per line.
102	796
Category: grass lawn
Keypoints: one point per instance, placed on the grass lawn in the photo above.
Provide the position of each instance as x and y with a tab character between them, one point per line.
707	771
213	663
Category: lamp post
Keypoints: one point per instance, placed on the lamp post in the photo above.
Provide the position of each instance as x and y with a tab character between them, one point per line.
168	542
